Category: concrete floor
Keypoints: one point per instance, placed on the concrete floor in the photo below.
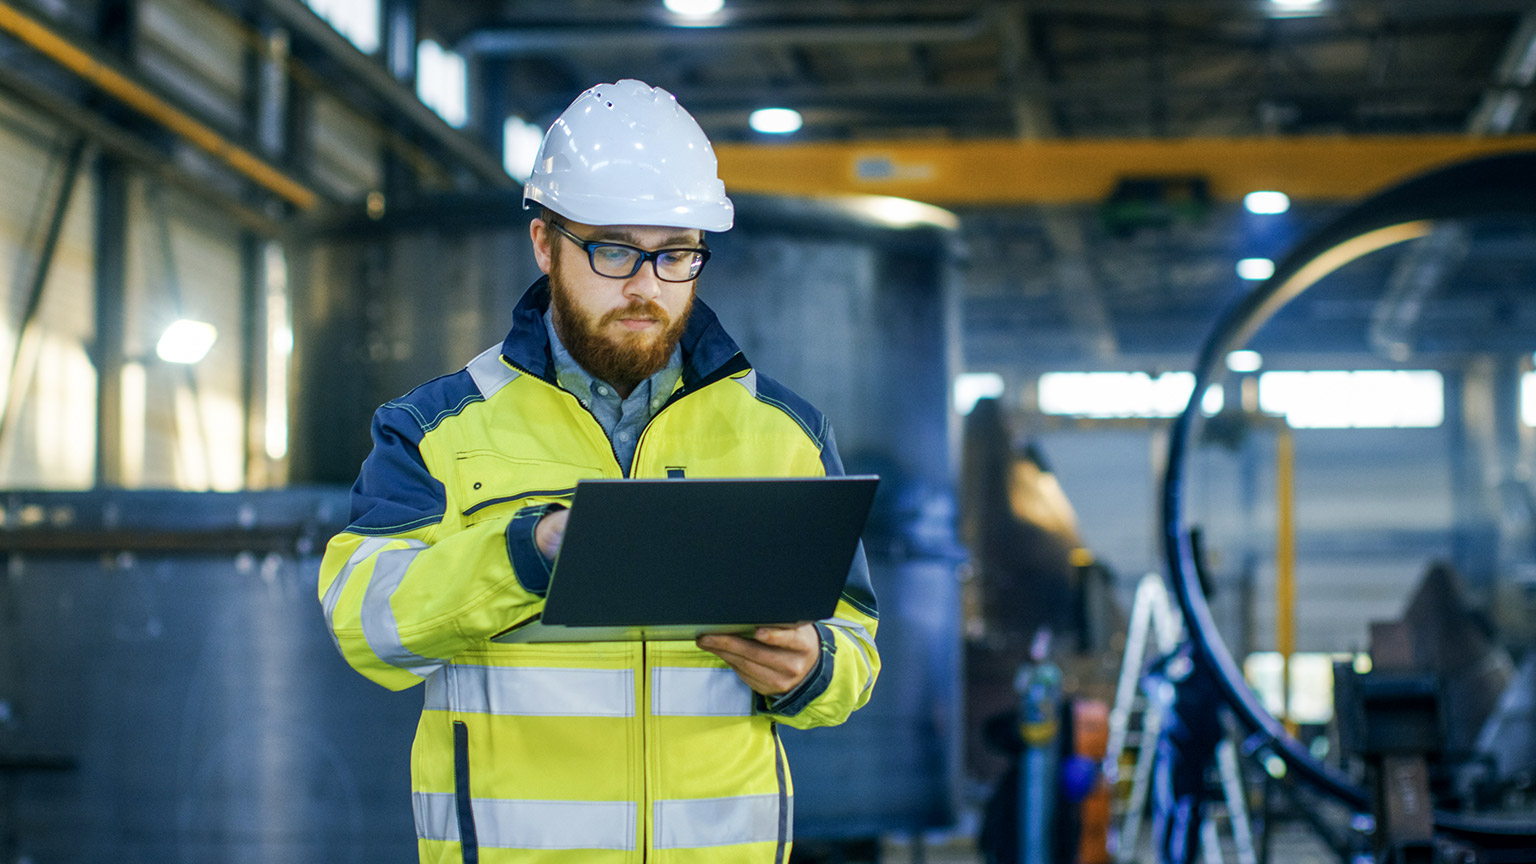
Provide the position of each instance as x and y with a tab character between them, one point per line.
1289	844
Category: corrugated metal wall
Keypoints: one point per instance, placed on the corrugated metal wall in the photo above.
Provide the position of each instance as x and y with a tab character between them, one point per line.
49	435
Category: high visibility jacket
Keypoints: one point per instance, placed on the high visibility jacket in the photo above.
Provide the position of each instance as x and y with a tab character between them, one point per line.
586	752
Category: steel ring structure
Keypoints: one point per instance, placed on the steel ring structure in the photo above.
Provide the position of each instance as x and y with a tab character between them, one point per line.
1502	185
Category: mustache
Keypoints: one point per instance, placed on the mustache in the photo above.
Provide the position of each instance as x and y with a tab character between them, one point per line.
648	309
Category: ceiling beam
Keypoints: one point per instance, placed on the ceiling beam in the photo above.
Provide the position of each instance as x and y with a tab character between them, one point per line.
395	97
555	39
957	173
1507	101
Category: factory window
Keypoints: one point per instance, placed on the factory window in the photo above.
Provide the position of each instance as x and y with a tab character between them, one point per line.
1121	394
440	82
972	387
358	20
520	142
1528	398
1311	690
1358	399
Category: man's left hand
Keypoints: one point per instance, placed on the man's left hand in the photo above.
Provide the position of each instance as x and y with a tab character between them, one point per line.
773	660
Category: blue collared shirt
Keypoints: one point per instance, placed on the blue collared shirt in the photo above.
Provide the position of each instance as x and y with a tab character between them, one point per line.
622	419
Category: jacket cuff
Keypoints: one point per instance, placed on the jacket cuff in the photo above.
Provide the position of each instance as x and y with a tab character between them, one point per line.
816	683
529	565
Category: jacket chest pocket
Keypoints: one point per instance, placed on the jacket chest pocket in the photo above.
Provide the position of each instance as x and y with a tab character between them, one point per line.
490	485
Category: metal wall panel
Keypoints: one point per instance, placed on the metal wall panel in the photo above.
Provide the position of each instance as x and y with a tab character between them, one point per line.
346	151
50	437
189	422
195	53
188	706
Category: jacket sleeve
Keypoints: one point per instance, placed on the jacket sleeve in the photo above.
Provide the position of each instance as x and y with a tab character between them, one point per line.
845	673
399	601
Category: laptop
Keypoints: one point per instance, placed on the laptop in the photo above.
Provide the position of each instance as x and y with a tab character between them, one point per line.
674	559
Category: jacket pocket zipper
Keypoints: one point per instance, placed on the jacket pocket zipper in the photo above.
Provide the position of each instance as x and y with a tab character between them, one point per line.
469	846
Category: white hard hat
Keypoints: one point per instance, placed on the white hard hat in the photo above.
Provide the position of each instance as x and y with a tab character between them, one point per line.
628	154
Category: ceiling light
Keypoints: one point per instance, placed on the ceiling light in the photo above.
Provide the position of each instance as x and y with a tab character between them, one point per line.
775	121
521	141
1266	202
694	8
972	387
186	341
1296	8
1256	269
1244	360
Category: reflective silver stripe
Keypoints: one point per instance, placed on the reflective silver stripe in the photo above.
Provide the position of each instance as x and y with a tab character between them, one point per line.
333	593
379	626
489	373
860	633
685	691
748	381
694	822
436	818
533	691
853	628
511	824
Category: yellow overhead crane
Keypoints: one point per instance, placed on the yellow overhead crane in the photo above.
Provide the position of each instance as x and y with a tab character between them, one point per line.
993	172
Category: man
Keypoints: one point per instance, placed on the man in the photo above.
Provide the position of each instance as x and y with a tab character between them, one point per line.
589	752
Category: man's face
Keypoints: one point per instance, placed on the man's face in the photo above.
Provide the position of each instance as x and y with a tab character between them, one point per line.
621	330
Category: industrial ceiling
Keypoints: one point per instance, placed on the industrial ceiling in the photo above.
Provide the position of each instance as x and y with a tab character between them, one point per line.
1033	68
1084	279
1094	150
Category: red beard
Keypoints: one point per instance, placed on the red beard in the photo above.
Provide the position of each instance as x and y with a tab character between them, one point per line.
629	358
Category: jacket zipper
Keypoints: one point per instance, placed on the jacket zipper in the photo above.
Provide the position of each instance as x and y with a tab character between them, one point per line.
644	816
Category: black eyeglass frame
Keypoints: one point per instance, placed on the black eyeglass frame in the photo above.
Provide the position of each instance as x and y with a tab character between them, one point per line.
591	246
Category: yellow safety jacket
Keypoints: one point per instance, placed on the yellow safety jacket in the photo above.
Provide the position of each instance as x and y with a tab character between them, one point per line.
586	752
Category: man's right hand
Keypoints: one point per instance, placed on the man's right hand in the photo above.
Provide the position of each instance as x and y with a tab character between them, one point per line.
549	532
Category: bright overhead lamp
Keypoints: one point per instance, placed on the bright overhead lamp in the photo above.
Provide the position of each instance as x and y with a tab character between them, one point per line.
694	8
775	121
520	147
972	387
1244	360
1255	269
1266	202
186	341
1296	8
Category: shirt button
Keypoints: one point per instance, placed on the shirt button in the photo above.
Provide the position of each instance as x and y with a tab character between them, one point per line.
602	391
623	436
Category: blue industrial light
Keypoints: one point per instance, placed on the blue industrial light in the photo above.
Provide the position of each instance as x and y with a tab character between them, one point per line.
1255	269
775	121
1267	202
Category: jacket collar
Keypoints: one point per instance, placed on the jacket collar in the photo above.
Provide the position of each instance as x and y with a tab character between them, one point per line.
709	352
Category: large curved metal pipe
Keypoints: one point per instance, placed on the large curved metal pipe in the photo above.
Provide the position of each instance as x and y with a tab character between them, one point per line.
1498	185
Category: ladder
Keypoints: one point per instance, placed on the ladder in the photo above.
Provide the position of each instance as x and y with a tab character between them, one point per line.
1155	621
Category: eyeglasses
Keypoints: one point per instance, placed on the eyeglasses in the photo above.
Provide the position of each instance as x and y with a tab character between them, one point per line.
618	261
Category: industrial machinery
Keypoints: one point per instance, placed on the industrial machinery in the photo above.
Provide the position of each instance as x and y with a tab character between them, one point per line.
1405	705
